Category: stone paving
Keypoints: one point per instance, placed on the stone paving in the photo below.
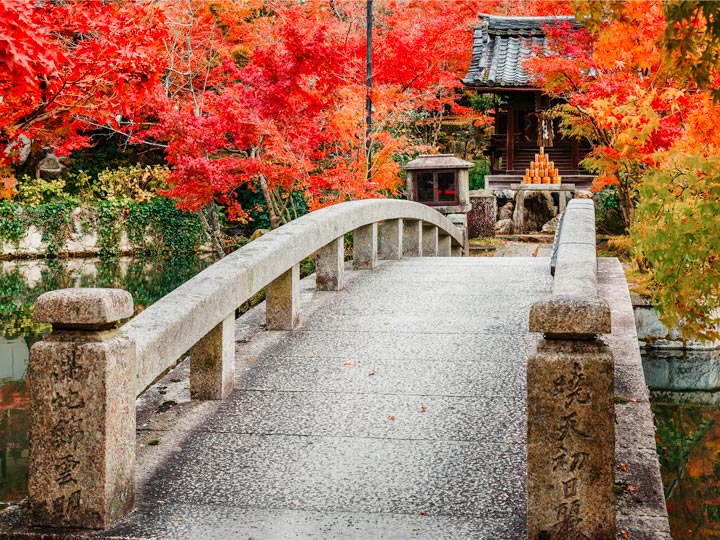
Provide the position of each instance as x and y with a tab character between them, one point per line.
396	411
524	249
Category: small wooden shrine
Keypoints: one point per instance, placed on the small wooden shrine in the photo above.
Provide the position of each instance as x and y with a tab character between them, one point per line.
522	125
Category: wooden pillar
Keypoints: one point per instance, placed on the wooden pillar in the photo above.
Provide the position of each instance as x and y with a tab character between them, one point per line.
575	162
510	140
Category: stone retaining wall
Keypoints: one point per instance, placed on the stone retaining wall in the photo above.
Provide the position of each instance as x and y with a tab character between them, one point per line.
83	240
653	334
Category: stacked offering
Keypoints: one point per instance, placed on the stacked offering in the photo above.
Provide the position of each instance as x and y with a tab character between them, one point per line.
541	171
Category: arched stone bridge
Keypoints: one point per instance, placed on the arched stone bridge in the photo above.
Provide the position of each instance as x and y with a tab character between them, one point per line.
405	394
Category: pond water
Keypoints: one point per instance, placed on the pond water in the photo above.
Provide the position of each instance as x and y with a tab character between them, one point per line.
20	284
685	397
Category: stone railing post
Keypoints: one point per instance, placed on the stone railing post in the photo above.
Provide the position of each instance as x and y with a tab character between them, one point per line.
412	238
365	247
212	362
391	239
570	398
82	411
430	241
282	301
444	246
330	266
461	222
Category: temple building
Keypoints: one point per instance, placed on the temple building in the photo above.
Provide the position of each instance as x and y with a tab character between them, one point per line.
501	46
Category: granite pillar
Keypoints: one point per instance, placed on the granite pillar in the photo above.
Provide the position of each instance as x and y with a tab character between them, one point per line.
212	362
412	238
365	247
571	441
444	246
282	301
391	239
430	241
82	411
330	266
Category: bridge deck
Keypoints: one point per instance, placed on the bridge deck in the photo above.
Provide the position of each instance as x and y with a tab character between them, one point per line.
397	411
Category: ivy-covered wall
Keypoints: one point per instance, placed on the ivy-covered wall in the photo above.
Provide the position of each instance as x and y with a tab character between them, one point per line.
105	228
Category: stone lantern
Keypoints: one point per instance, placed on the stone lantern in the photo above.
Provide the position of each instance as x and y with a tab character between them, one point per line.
441	181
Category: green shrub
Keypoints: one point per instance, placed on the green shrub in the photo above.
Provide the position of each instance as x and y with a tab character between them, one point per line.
477	174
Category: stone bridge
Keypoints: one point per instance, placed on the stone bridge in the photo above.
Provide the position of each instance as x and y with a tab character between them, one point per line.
408	393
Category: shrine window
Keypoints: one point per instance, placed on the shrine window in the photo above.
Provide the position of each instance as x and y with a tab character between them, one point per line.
437	187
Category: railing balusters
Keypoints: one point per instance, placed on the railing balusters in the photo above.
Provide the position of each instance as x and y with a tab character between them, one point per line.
330	266
365	247
444	246
283	301
212	362
430	241
412	238
391	239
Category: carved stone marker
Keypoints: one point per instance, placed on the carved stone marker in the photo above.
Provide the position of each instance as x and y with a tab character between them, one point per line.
82	411
571	441
483	214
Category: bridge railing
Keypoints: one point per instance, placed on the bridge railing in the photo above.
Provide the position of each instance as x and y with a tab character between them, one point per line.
570	395
85	375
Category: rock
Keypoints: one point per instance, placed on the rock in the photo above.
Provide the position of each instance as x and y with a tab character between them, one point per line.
504	226
583	194
551	226
539	209
505	194
506	212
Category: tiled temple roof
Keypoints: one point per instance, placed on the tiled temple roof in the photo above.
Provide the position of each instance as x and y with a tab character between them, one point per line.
501	45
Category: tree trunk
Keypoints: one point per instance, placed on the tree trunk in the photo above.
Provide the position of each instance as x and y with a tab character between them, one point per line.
212	227
627	208
275	221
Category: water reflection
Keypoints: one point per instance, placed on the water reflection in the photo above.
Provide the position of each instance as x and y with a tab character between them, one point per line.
21	282
685	397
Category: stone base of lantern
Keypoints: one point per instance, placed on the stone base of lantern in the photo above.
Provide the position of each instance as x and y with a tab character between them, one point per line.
520	199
